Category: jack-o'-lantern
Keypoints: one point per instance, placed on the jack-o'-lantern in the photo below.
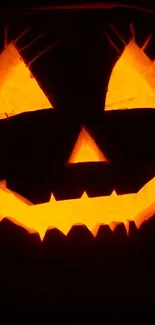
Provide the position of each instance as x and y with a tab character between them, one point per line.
88	181
90	160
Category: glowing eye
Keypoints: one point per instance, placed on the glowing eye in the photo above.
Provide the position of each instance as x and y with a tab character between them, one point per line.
132	81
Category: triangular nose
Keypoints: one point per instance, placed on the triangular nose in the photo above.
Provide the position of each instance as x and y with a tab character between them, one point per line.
86	150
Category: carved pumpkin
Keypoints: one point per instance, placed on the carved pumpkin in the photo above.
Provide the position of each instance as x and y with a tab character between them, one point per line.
79	163
136	72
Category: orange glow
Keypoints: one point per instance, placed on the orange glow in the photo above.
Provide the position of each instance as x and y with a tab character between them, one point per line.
86	150
19	91
132	82
91	212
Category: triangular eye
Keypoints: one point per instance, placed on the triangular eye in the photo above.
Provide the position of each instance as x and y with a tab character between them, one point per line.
19	91
132	82
86	150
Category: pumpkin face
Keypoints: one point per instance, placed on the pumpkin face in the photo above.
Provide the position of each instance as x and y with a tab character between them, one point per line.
94	168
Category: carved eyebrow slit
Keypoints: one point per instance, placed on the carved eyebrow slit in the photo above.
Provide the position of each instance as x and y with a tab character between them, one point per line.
118	35
29	44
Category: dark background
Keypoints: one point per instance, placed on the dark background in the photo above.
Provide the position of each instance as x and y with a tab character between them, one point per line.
111	276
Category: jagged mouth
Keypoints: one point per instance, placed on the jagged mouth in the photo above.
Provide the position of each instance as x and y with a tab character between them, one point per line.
66	208
90	212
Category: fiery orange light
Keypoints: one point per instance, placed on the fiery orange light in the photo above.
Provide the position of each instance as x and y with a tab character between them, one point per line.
86	150
91	212
132	82
136	86
19	90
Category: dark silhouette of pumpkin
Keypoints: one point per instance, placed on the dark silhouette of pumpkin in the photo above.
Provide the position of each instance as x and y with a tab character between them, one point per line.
77	272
